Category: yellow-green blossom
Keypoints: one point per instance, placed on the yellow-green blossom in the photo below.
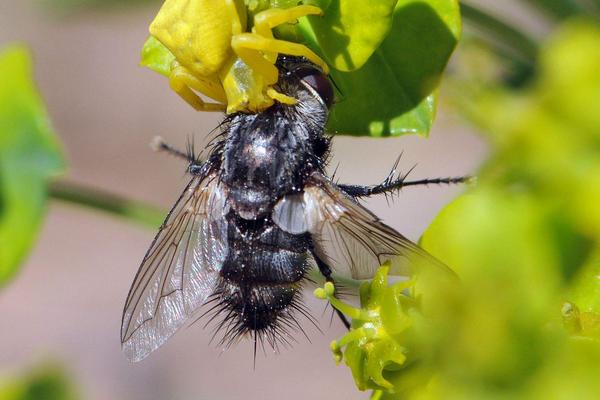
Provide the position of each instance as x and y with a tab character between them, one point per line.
374	345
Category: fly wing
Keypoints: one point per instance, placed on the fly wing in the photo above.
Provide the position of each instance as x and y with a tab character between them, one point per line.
351	240
179	271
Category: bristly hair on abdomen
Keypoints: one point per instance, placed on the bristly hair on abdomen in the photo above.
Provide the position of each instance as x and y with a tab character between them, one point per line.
229	327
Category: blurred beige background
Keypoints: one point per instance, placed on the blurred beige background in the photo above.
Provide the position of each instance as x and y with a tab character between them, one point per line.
66	303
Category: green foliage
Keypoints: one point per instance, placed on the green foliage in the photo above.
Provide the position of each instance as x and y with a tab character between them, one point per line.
349	32
387	58
394	92
502	36
29	156
560	8
523	321
374	349
45	383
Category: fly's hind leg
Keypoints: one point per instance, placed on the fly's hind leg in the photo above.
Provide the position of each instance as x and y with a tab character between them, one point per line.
183	81
397	184
394	183
327	273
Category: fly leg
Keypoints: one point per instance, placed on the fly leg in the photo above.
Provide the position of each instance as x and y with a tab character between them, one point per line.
394	183
195	164
326	271
397	184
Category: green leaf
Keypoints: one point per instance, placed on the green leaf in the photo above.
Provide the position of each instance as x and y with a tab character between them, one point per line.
349	31
395	91
29	155
156	57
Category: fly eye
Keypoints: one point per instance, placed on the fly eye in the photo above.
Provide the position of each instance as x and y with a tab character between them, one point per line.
319	82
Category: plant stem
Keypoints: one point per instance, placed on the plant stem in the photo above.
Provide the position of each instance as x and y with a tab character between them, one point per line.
86	196
558	9
501	35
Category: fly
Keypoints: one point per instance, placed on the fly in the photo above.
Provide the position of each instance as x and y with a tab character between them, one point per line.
257	215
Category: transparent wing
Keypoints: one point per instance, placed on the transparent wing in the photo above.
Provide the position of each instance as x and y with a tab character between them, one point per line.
349	238
179	270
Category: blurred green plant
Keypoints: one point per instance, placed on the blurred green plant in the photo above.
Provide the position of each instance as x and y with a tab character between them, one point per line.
516	45
29	156
524	320
47	382
525	240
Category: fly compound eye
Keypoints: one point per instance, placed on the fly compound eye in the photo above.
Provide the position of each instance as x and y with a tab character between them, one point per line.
317	81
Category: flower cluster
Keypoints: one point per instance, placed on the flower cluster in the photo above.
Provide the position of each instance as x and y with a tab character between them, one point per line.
374	346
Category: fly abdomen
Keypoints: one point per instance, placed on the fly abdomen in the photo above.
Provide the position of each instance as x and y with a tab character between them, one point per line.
259	264
261	279
257	307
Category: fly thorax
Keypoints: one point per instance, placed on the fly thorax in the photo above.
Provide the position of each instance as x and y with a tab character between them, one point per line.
262	162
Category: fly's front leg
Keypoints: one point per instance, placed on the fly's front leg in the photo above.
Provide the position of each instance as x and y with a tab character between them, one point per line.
327	273
182	82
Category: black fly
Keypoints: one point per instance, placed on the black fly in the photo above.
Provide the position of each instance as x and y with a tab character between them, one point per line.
258	213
